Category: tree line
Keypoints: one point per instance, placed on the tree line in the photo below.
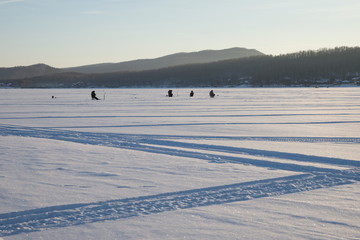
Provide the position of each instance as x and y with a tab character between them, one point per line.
306	68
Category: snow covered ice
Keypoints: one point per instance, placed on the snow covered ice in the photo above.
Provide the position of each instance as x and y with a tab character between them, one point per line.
248	164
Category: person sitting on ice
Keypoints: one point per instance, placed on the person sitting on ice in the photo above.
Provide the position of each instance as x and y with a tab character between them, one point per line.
93	96
170	93
212	94
191	93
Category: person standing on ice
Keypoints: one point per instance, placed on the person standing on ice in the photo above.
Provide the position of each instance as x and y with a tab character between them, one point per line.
211	94
93	96
191	93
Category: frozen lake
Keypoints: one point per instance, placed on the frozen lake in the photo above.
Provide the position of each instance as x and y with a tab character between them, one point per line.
267	163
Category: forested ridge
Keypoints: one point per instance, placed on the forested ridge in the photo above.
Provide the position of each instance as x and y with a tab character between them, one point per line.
328	67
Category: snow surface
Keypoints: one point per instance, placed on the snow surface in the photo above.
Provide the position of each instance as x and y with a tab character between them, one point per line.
248	164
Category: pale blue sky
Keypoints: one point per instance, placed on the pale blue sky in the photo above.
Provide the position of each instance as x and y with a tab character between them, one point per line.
65	33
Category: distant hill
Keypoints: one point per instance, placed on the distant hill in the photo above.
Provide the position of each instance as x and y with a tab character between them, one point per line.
27	72
177	59
324	67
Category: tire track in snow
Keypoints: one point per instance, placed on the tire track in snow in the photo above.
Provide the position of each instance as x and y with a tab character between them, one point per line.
209	124
271	139
76	214
30	132
255	152
136	142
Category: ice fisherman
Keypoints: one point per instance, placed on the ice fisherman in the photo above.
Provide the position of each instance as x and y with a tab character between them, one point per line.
93	96
170	93
211	94
191	93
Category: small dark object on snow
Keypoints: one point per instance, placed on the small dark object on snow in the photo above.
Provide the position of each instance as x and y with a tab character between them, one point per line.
212	94
93	96
191	93
170	93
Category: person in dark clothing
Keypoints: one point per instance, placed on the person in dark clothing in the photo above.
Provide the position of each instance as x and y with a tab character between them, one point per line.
93	96
191	93
170	93
212	94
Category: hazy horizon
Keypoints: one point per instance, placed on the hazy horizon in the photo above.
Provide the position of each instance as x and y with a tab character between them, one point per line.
156	57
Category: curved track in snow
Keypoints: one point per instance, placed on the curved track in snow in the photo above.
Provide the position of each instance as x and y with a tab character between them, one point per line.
307	177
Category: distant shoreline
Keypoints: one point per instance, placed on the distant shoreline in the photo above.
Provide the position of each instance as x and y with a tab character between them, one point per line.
193	87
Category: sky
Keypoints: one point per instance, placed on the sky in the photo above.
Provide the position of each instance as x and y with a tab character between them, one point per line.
67	33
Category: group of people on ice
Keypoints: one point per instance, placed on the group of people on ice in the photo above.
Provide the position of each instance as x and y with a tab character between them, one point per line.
170	94
211	93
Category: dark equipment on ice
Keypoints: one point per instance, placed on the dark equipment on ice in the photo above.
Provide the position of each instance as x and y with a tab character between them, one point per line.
93	96
211	94
170	93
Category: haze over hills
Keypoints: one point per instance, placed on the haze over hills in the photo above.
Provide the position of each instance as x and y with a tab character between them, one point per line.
176	59
324	67
27	72
172	60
